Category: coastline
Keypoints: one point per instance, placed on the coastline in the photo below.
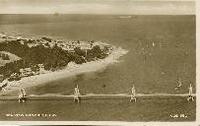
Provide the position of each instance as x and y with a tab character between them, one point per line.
70	70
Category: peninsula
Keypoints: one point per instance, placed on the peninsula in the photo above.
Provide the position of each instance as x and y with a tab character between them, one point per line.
25	62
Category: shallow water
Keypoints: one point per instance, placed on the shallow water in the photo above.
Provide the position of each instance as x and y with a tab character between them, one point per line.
153	70
117	109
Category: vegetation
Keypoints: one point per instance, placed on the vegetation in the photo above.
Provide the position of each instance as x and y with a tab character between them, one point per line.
53	58
4	56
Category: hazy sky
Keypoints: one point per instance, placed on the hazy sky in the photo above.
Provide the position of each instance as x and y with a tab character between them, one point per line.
97	6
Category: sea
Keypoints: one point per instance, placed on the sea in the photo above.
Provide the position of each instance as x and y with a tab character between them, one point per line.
161	51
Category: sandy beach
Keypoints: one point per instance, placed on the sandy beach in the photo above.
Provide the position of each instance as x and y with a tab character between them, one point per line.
71	70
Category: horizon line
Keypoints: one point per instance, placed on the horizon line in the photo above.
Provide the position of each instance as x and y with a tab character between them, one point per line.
57	14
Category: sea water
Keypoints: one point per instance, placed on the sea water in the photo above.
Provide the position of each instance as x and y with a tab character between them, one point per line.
161	49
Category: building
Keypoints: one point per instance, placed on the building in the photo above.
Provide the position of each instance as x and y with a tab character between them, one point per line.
26	72
41	67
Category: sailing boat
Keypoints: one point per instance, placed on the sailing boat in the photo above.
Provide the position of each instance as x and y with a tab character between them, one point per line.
76	94
133	94
22	95
179	85
190	97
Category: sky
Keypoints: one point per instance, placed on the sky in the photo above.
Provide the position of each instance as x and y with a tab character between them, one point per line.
146	7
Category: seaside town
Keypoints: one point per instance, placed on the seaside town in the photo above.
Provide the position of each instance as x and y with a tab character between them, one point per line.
23	57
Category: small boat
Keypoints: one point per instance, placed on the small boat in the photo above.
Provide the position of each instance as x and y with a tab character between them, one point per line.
22	96
190	90
76	94
133	94
125	16
179	85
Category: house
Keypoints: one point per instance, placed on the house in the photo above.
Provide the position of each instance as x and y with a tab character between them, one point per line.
14	76
41	67
26	72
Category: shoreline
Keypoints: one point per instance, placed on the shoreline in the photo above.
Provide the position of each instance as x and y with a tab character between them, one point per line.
70	70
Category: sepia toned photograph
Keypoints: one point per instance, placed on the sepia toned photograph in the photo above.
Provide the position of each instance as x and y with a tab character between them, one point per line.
98	60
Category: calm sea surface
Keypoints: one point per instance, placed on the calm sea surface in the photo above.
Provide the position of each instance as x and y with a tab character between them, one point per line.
153	68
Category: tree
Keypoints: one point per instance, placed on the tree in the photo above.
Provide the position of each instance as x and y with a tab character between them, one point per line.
79	51
5	56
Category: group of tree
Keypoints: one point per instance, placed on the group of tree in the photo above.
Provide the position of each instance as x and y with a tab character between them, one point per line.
4	56
52	58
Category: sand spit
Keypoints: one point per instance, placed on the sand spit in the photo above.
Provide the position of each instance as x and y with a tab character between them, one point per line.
71	70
